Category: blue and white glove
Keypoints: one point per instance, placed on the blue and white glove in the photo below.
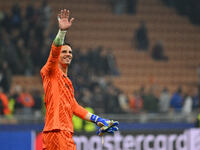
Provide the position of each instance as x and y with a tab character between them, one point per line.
105	125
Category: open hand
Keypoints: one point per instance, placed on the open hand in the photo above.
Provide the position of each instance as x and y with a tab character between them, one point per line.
63	20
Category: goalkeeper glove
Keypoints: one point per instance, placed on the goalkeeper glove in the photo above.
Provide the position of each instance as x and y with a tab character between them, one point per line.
113	126
105	125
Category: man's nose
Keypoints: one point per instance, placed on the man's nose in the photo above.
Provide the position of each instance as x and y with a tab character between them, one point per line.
68	54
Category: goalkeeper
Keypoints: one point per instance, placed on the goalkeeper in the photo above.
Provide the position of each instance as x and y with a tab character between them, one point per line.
59	95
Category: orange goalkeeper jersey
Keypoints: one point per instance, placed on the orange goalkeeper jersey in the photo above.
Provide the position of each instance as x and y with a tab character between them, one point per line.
59	95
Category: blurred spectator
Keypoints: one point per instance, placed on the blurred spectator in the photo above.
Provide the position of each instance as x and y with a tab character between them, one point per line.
176	101
123	102
25	31
37	97
123	6
16	18
10	55
104	64
111	63
1	107
94	57
142	91
2	15
158	52
131	6
26	99
118	6
24	54
5	77
141	39
14	35
187	104
111	99
4	103
150	101
29	14
195	98
136	102
14	95
45	12
164	101
6	22
97	61
98	99
195	103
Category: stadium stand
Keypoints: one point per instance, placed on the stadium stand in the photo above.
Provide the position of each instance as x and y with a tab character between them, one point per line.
96	25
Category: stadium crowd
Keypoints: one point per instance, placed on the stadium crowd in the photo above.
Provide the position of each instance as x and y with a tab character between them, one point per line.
24	47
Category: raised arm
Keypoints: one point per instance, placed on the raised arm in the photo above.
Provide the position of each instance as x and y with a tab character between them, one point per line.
64	24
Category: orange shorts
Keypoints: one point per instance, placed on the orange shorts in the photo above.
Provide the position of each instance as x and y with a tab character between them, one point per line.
58	140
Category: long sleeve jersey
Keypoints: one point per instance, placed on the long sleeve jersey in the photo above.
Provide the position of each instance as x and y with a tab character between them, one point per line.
59	95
